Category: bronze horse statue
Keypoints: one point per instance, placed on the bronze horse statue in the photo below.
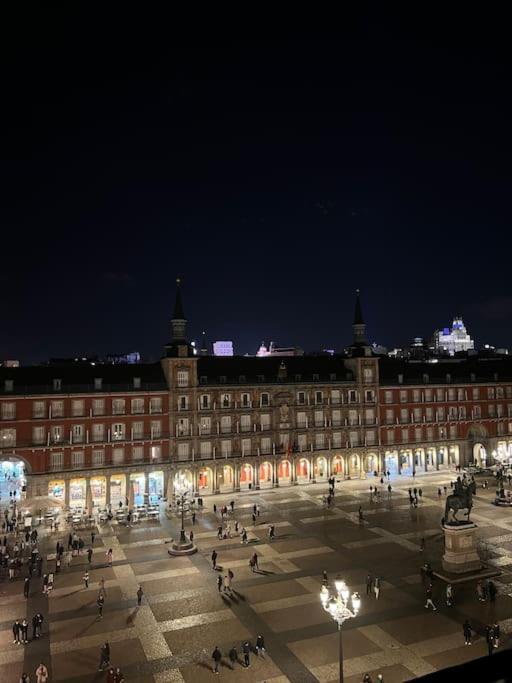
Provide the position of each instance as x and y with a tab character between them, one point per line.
459	501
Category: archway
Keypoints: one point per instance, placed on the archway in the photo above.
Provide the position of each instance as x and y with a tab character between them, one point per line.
406	462
302	470
13	478
479	455
156	486
354	465
117	490
77	492
321	469
99	491
246	476
138	481
337	466
183	482
284	472
265	475
391	461
371	463
205	481
56	489
225	478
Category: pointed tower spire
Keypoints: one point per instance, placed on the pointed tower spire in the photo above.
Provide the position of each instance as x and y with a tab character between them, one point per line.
203	351
178	320
358	326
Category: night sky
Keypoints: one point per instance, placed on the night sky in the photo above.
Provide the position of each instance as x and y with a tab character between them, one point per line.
275	177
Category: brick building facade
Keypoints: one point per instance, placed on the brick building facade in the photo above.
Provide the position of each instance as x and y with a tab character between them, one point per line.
224	424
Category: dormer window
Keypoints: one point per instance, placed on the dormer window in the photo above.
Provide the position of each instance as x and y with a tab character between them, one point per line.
448	378
400	379
98	383
316	377
298	378
222	379
332	376
242	379
261	378
425	378
57	384
136	382
8	385
203	379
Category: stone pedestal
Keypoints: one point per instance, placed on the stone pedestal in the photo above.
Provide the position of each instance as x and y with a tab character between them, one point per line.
460	555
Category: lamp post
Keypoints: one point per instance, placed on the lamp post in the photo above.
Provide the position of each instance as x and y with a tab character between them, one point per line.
341	606
184	546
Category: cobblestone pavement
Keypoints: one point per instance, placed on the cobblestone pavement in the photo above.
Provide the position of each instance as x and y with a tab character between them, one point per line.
170	637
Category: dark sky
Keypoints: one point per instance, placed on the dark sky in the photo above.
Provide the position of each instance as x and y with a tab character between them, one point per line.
274	176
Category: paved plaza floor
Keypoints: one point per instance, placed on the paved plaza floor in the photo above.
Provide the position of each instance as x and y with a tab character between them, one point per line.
170	637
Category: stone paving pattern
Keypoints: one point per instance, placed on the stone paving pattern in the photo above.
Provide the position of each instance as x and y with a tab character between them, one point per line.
170	637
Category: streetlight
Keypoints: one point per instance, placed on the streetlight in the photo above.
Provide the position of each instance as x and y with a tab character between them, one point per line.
338	607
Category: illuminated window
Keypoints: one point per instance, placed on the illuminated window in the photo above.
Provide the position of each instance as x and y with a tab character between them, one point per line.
182	378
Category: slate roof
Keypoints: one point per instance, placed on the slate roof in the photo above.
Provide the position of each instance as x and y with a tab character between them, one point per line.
461	371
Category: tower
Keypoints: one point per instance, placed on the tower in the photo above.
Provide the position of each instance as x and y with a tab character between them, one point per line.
358	326
178	346
203	351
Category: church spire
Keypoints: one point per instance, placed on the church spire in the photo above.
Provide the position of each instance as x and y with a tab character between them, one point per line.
203	351
358	327
178	320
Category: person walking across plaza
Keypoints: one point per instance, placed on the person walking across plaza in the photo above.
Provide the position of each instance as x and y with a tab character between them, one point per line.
104	656
449	595
26	587
496	635
255	560
140	593
89	555
369	584
489	638
216	656
109	556
214	559
376	587
233	657
246	649
16	632
429	602
24	631
41	674
85	578
100	602
260	645
219	582
467	631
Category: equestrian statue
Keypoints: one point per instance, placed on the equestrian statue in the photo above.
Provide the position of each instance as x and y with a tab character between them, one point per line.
461	499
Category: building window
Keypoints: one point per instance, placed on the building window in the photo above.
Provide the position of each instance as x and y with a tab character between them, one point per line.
223	379
137	430
98	406
417	434
205	402
403	396
428	395
8	385
155	404
78	433
118	406
354	439
430	433
301	398
319	441
242	379
319	397
205	426
477	412
405	435
57	408
226	400
490	393
77	408
476	393
117	456
245	423
368	375
453	431
156	429
404	416
98	432
98	383
56	433
391	436
316	377
265	421
57	461
246	400
417	414
57	384
225	424
416	395
336	439
298	378
183	427
183	451
390	418
136	383
370	437
335	397
38	436
203	379
118	431
452	394
491	409
205	449
369	396
77	459
246	447
265	445
39	409
261	378
137	406
319	418
137	453
225	448
183	403
352	396
388	397
264	400
429	412
98	458
183	378
8	411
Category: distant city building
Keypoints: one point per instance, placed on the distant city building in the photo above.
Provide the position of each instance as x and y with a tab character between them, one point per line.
9	364
273	350
223	348
125	358
453	340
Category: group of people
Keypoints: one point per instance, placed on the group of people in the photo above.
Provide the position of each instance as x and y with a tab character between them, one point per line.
372	585
486	591
41	675
114	674
20	629
233	655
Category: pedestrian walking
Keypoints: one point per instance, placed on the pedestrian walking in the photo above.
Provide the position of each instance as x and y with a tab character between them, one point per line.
496	632
219	532
109	556
369	584
119	678
45	584
214	559
271	532
260	645
254	509
325	579
246	649
480	591
449	595
191	536
214	508
244	536
93	536
104	656
216	656
420	493
41	674
68	558
100	602
16	632
232	505
24	678
491	591
429	602
26	587
24	631
467	631
360	513
193	518
489	637
376	587
86	579
255	558
233	657
219	582
89	555
140	593
257	510
227	584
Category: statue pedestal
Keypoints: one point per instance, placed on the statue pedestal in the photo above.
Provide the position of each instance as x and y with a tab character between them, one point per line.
460	555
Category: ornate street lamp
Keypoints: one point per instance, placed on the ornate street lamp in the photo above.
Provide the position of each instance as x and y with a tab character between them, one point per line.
341	606
184	546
